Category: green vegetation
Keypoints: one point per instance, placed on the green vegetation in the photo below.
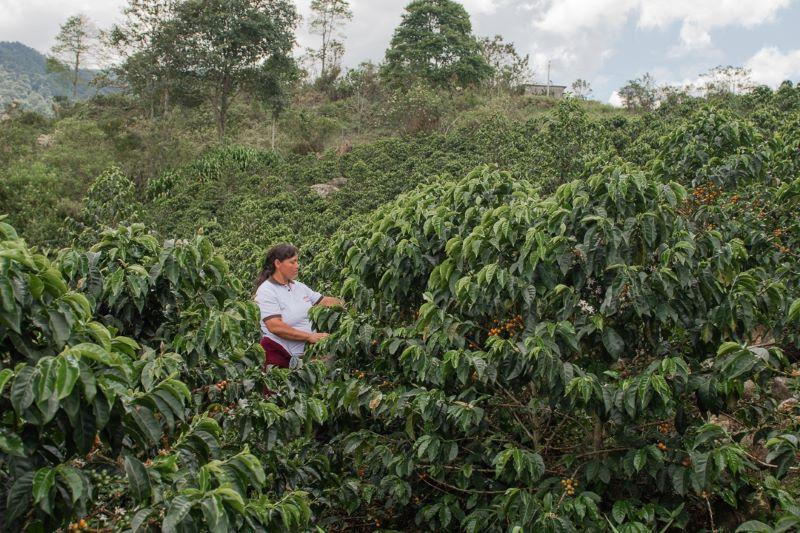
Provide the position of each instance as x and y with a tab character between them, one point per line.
561	316
434	44
25	81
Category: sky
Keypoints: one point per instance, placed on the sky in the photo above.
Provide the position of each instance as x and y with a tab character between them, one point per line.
606	42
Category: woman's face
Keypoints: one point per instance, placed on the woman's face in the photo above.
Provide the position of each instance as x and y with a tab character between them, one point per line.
287	268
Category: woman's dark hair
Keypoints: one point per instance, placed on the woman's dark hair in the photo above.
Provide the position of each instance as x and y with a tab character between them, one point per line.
279	252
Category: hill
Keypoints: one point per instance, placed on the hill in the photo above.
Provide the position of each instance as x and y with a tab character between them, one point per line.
604	340
560	316
24	79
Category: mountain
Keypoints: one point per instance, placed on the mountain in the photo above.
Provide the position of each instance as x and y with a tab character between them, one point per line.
24	78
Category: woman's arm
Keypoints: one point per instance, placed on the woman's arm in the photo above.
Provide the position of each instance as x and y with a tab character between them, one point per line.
330	301
278	327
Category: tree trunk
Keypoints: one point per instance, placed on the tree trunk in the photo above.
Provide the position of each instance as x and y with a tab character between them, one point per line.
597	434
223	101
75	75
165	101
220	122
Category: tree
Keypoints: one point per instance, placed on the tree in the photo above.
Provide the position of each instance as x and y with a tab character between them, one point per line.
364	84
726	80
145	45
639	94
328	17
509	68
434	43
225	46
581	89
75	42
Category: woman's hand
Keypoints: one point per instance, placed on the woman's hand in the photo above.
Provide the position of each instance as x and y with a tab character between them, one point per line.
314	337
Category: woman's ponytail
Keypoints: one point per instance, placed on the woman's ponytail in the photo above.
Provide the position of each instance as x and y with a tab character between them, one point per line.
279	252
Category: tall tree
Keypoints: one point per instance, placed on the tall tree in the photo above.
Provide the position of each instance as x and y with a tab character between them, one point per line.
726	80
226	46
581	89
145	44
434	43
509	68
639	94
327	19
75	42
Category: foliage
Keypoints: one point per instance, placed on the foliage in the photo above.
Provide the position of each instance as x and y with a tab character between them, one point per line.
88	411
76	41
110	201
145	45
510	70
581	89
434	44
329	16
24	79
726	80
42	201
417	109
528	362
227	46
603	335
639	94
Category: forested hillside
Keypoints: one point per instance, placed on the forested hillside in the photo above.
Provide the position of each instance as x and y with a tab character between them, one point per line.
560	316
25	81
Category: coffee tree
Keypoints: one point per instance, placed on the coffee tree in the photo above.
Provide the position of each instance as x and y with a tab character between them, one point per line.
530	357
99	426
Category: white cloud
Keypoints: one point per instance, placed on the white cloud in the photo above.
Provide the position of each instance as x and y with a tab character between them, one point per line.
771	66
697	18
36	22
483	7
580	35
694	36
615	99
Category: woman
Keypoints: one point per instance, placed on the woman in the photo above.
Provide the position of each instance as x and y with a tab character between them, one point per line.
284	303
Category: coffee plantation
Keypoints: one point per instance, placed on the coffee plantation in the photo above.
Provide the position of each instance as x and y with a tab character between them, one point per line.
571	324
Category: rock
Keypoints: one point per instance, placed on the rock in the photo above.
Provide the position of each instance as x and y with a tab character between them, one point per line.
324	189
44	140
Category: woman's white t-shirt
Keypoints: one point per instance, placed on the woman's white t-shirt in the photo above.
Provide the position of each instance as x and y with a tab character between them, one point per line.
291	302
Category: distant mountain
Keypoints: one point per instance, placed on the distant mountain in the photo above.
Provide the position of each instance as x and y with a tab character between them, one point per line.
24	78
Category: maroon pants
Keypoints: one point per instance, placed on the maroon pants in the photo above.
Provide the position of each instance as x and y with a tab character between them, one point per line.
274	353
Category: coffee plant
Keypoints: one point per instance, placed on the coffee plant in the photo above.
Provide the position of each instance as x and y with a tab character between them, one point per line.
604	337
605	357
125	433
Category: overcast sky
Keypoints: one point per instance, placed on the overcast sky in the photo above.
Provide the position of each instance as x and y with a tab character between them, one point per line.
606	42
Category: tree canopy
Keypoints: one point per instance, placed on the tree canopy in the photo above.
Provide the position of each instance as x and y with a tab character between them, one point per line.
434	43
75	42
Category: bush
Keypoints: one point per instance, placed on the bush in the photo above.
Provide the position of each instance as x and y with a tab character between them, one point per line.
417	109
529	362
96	421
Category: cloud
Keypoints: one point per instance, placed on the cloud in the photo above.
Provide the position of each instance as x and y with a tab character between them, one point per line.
770	66
483	7
615	99
697	18
36	22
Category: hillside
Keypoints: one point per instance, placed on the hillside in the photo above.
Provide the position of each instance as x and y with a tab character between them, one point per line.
546	314
560	318
24	79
